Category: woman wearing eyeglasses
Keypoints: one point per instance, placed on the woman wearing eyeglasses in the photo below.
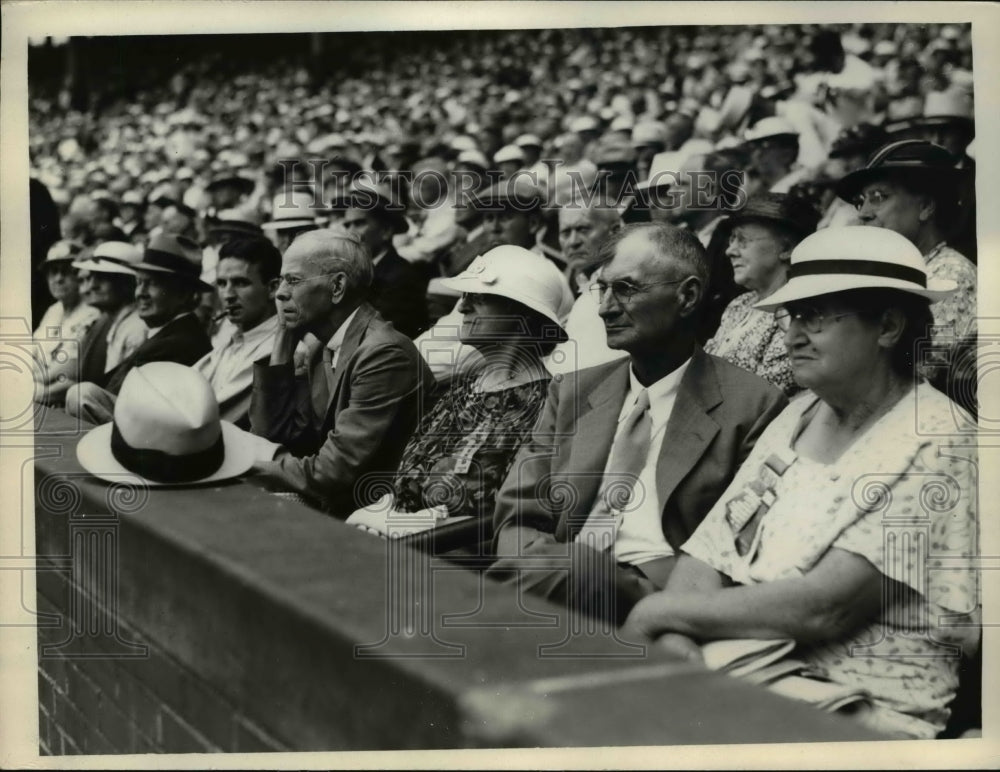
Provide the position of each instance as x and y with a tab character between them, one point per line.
511	305
762	236
851	525
912	187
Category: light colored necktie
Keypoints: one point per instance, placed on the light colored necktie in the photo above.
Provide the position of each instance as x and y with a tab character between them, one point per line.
324	387
629	454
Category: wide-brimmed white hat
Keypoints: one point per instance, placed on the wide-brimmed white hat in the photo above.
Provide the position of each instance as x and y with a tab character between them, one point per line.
856	257
293	209
520	275
112	257
166	431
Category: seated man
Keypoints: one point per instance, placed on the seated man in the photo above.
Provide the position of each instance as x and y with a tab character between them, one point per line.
167	291
647	444
398	288
354	410
246	278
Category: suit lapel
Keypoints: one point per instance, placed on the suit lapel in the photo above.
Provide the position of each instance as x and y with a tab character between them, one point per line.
352	339
591	446
690	430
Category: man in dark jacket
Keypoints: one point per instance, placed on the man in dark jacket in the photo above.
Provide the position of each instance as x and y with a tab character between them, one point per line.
168	287
399	288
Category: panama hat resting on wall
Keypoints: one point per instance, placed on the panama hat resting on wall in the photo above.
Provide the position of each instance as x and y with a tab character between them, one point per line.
166	431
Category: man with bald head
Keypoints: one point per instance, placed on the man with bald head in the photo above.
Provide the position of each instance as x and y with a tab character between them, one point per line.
629	456
354	409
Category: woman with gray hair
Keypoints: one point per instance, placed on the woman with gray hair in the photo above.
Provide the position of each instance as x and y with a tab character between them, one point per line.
761	238
849	528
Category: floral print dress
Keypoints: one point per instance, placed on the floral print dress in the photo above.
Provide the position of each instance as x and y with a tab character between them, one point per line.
751	339
463	448
903	496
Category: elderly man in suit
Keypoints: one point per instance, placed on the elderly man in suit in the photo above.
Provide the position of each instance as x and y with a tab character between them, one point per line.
628	456
354	410
167	290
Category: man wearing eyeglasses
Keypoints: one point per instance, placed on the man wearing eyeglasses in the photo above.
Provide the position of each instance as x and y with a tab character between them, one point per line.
354	410
629	456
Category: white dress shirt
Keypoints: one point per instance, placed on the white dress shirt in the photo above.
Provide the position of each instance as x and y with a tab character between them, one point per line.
640	537
229	365
337	341
126	333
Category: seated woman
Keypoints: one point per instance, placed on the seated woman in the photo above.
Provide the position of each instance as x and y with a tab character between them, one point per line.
463	447
849	526
762	236
65	321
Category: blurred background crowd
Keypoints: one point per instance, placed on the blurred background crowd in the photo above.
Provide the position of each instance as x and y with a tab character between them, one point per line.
195	135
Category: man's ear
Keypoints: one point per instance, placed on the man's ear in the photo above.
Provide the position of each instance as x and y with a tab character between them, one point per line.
338	287
689	294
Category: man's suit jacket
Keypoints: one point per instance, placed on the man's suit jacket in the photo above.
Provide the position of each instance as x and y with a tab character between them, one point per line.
719	412
399	294
94	349
372	410
182	340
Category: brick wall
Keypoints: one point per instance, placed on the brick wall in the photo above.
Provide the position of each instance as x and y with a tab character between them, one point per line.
92	703
224	618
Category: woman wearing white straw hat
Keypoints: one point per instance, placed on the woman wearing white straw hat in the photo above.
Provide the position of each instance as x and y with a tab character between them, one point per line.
849	528
462	449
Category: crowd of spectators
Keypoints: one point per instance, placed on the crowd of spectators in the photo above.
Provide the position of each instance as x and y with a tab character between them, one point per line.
391	266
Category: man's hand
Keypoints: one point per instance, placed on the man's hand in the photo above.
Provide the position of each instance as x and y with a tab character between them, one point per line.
285	341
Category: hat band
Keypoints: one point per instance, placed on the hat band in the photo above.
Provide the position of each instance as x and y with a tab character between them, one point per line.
163	467
170	262
862	267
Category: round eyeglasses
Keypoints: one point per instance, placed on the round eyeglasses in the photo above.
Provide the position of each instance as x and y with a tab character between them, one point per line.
812	320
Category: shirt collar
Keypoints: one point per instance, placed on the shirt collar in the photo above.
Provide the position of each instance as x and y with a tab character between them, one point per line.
337	340
661	394
377	259
153	330
265	329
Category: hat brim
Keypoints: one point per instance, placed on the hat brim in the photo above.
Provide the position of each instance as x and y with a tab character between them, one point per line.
851	184
781	135
474	284
93	451
282	225
801	228
243	185
921	122
99	265
804	287
193	280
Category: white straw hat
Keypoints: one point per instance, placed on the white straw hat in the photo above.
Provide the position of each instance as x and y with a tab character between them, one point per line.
166	431
112	257
294	209
520	275
856	257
